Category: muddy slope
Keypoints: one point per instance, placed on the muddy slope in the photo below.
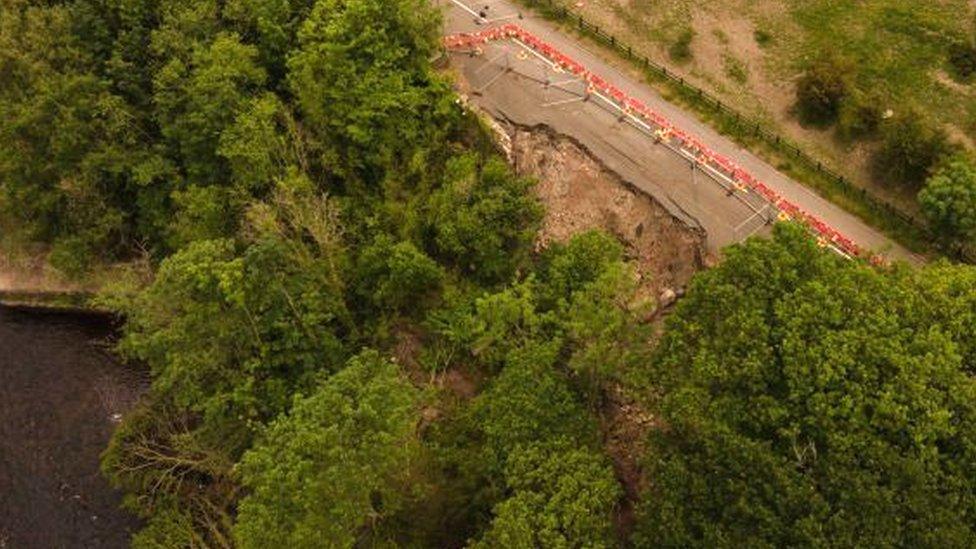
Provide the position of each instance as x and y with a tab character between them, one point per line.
580	193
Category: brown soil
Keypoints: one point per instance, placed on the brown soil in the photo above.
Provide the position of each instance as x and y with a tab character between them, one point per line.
580	194
19	275
625	426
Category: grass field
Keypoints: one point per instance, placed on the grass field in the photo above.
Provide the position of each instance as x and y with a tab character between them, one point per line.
750	53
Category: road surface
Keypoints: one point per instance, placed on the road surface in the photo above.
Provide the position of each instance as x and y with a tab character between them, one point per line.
511	85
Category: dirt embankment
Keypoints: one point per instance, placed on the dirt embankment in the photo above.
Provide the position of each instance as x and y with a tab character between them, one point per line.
29	272
580	194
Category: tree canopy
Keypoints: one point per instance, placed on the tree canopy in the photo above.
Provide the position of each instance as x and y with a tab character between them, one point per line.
333	466
813	401
949	200
356	337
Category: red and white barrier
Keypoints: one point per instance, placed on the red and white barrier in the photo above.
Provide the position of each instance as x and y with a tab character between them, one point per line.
826	235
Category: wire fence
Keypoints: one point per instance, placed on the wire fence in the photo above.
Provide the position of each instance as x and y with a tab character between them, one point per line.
747	125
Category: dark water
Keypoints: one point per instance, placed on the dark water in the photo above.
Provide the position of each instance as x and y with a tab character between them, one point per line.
60	393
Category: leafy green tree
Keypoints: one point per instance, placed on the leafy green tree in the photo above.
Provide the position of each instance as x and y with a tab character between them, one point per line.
605	330
257	148
230	333
361	77
197	101
567	268
949	200
272	25
67	143
527	402
910	149
483	221
332	467
810	401
561	497
948	300
396	276
821	91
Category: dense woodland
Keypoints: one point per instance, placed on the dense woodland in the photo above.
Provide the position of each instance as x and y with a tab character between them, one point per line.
354	341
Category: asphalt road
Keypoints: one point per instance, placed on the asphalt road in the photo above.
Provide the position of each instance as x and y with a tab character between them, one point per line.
510	84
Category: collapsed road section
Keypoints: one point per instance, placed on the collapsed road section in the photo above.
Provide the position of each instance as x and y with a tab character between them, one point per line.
766	205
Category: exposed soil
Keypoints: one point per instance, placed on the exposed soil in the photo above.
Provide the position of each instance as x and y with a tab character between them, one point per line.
61	394
23	274
625	426
580	194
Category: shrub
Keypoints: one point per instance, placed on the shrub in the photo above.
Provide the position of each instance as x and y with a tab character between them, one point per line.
860	116
680	50
72	256
763	37
735	69
962	57
911	147
949	200
821	91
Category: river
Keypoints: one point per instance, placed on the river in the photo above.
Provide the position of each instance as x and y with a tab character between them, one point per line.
61	394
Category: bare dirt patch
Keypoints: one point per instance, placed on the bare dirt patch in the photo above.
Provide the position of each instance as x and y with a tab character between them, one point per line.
581	194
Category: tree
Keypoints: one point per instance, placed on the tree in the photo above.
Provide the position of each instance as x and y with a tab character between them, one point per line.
593	294
910	149
811	401
272	25
361	77
67	143
561	496
567	268
483	220
949	200
332	467
231	331
821	91
529	402
257	147
197	100
394	276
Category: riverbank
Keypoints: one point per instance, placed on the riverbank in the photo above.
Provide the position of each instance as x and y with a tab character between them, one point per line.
61	394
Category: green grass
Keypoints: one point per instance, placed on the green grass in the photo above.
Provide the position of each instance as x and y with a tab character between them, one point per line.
735	69
896	48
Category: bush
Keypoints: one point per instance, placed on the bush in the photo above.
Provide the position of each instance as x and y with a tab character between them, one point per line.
911	148
821	91
962	57
763	37
72	256
949	200
680	50
860	117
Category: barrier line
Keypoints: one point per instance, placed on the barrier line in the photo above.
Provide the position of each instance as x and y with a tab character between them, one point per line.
667	132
